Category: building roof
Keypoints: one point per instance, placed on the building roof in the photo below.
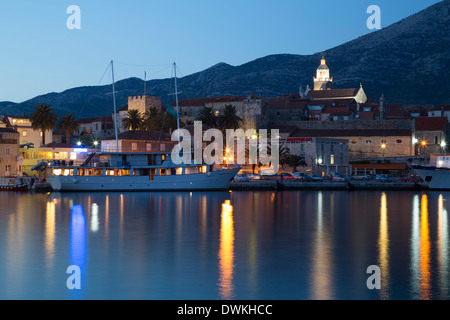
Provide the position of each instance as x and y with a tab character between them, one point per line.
8	130
430	123
97	119
199	102
336	110
332	94
54	145
142	136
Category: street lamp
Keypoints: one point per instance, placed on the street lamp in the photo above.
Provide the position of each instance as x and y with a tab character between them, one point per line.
79	143
443	144
383	147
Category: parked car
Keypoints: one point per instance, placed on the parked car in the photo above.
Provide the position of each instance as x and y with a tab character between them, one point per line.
335	176
360	177
301	176
315	178
381	178
286	176
241	177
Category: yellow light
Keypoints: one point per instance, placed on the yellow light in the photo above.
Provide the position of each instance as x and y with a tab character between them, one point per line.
227	150
424	143
383	146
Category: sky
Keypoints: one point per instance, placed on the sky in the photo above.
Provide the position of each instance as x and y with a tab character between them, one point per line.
40	54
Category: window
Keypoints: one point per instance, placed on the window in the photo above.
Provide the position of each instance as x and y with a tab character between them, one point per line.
148	147
332	159
383	141
399	141
24	133
368	141
134	146
8	151
353	142
162	147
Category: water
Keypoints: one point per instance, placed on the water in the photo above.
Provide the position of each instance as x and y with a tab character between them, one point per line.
225	245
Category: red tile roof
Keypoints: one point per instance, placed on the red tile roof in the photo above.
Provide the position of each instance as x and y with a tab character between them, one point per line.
142	135
333	94
430	123
336	110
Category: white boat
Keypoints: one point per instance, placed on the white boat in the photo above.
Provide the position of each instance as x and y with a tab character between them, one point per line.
436	177
119	171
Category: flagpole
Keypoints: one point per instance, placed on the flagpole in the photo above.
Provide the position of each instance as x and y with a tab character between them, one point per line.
176	99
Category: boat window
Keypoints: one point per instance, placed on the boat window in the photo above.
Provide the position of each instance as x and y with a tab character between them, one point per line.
191	170
95	172
80	172
179	171
124	172
202	169
163	172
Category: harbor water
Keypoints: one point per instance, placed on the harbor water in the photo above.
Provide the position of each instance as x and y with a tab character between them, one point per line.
257	245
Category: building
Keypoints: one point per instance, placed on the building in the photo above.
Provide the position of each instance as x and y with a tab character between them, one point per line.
367	139
139	103
10	160
63	152
322	80
99	128
322	155
28	136
253	110
431	135
139	141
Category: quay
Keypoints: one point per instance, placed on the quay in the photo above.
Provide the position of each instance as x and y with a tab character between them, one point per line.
325	185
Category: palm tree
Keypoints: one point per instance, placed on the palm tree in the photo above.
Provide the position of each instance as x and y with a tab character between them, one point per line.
294	161
207	116
229	118
149	119
68	125
133	121
43	119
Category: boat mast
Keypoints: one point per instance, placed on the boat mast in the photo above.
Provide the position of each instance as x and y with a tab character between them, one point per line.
115	111
176	99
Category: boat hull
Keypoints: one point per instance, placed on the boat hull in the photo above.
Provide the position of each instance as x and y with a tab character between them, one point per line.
15	188
435	179
217	180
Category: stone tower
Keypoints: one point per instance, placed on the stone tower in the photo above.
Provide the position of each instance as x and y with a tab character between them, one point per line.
322	80
143	103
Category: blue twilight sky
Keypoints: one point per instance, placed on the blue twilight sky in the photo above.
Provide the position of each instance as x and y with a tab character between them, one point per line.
39	54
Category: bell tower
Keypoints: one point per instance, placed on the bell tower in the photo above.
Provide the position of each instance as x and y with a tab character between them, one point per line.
322	80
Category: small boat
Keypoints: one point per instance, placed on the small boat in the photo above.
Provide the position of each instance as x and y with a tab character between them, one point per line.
15	184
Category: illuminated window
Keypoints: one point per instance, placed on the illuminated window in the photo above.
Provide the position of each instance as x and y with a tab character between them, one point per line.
134	146
162	147
332	159
24	133
148	147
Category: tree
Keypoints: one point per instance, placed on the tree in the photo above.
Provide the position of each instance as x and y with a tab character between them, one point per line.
43	119
207	115
294	161
133	121
229	118
69	125
149	119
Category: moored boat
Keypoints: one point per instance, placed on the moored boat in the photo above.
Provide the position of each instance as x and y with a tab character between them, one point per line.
15	184
120	171
436	177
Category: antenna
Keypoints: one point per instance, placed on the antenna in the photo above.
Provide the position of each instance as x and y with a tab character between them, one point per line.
115	111
145	82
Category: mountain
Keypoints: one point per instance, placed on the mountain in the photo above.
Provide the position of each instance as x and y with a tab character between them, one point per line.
406	62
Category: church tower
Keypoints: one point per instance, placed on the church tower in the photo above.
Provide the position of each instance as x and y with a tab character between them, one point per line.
322	80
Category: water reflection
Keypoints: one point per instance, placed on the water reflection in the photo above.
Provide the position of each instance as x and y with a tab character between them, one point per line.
421	250
442	244
77	244
383	249
322	267
50	233
226	253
